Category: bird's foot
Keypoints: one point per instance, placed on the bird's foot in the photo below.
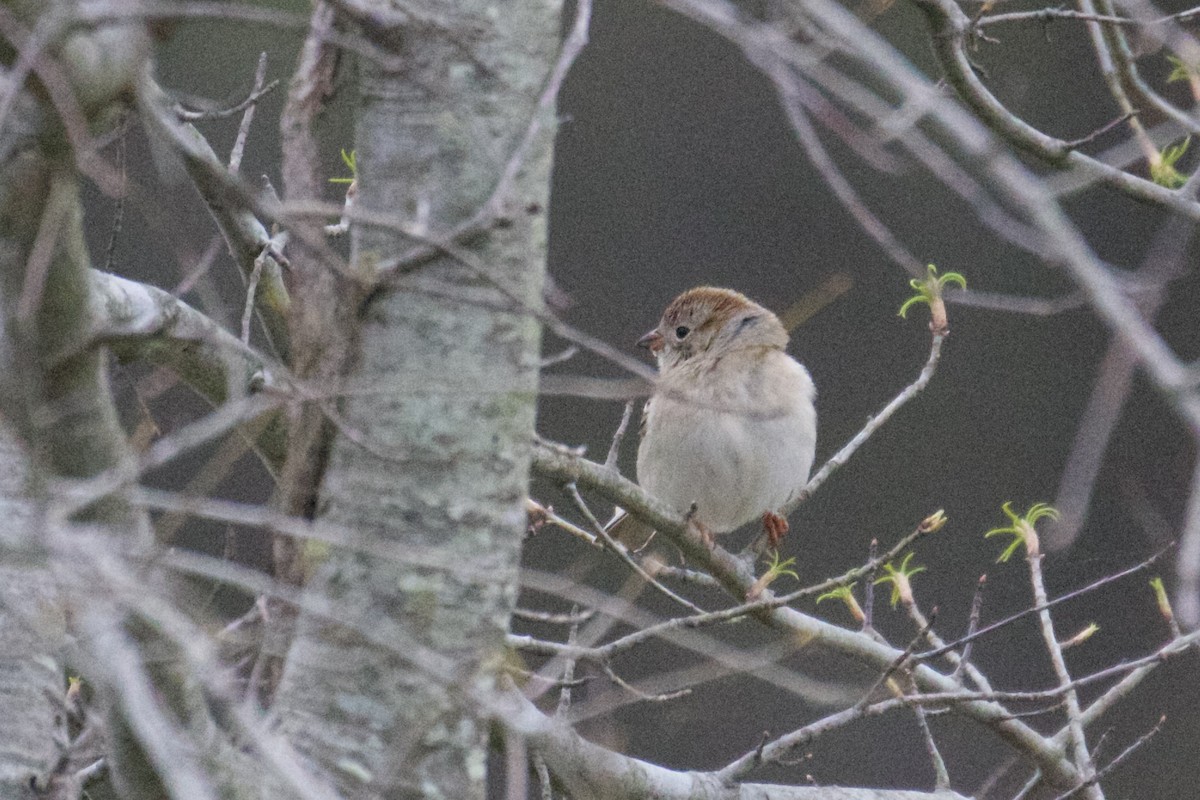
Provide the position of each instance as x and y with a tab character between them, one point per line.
775	527
702	531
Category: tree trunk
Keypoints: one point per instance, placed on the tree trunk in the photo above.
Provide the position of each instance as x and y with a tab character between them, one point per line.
440	412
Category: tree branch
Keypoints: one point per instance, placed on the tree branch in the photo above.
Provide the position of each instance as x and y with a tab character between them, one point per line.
591	772
735	575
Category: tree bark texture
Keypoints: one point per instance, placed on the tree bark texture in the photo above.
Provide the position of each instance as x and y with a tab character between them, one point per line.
443	399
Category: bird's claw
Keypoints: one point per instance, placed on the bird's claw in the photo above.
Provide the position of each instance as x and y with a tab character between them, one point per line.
702	531
776	527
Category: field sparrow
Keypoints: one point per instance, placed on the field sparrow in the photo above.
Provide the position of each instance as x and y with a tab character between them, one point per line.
731	424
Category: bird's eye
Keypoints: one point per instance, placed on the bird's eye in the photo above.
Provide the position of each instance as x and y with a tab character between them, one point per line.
682	331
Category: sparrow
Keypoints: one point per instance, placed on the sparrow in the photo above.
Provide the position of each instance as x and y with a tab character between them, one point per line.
730	428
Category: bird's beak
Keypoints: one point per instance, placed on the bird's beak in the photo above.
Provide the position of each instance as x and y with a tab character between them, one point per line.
652	341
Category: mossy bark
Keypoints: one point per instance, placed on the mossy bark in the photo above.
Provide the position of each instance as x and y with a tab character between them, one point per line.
444	394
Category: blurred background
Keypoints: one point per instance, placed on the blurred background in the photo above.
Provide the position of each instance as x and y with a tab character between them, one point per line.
676	167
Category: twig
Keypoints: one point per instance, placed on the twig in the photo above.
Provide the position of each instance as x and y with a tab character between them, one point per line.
233	207
940	773
493	208
572	46
899	661
1124	754
777	750
239	144
573	618
874	424
546	514
652	698
1137	671
685	575
1063	242
568	672
566	354
248	104
1038	608
645	633
197	270
1187	563
1103	129
1050	15
984	789
834	178
622	552
614	449
781	746
122	134
251	290
849	576
935	641
543	773
869	586
1083	760
972	626
516	767
30	46
559	463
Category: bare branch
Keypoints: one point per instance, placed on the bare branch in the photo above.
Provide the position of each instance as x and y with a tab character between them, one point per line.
582	766
875	423
251	102
737	578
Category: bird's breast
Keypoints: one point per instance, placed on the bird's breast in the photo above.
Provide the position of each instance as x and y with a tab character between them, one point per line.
731	449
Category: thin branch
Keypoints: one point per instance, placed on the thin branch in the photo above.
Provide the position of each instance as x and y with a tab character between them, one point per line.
543	773
239	144
1116	762
1083	759
972	626
941	775
1044	15
958	662
251	292
1137	671
110	249
1103	129
833	177
875	423
647	632
1187	564
495	207
562	464
622	552
159	733
573	618
1037	608
542	515
580	766
951	27
233	208
685	575
873	563
568	672
661	697
256	94
614	449
1052	14
783	746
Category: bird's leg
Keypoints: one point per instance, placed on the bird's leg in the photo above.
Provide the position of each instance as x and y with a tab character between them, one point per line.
775	527
699	528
